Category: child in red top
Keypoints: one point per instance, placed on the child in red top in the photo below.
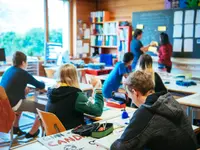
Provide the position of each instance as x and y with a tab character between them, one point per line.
165	52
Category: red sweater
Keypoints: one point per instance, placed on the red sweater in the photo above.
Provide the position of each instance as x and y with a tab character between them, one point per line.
165	54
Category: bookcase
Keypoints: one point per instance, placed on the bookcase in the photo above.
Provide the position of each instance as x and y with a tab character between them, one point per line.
125	37
104	33
108	37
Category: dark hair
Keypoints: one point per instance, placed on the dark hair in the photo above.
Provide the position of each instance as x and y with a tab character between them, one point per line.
164	39
18	58
128	57
145	61
137	32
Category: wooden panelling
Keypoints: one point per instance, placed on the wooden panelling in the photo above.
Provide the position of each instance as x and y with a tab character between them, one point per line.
122	9
84	7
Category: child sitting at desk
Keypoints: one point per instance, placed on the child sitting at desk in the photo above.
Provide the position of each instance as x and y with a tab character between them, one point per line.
146	65
69	103
159	122
14	81
113	82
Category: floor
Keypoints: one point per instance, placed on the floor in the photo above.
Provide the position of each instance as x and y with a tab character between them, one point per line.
26	122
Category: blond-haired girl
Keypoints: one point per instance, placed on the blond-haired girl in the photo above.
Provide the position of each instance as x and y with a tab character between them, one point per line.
69	103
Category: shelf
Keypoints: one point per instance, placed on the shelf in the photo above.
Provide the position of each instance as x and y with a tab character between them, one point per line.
97	22
104	34
105	46
122	27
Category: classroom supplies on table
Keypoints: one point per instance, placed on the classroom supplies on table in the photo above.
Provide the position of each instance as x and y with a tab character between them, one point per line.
107	141
95	130
85	130
115	104
103	130
107	59
125	114
122	97
185	83
96	65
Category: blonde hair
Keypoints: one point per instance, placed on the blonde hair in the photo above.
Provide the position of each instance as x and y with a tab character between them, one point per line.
146	65
69	76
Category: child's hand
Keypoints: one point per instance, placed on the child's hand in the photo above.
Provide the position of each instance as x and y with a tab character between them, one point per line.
27	90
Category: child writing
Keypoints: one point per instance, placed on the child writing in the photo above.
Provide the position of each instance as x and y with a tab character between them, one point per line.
69	103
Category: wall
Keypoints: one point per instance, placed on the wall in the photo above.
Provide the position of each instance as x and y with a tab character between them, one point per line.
122	9
84	7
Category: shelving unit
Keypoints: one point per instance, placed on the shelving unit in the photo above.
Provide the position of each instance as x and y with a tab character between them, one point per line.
125	36
104	33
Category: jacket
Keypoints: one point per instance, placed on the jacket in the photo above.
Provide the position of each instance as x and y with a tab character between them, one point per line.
69	104
159	124
165	54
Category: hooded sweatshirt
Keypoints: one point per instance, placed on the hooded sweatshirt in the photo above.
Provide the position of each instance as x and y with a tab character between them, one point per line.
69	104
159	124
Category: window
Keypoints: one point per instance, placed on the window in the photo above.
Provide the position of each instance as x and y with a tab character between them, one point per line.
22	26
58	12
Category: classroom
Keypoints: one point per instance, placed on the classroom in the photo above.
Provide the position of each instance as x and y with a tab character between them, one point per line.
100	74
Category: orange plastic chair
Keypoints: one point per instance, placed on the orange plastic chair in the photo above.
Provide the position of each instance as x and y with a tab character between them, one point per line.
50	123
7	116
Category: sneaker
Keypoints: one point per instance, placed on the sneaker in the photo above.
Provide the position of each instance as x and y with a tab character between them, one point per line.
28	135
16	130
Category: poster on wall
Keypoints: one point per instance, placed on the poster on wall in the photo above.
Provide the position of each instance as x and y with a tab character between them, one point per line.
68	141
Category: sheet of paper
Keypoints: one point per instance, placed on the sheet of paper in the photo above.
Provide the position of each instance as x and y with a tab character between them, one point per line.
197	31
178	31
162	28
177	47
189	16
140	26
198	16
86	48
178	17
188	45
189	30
87	33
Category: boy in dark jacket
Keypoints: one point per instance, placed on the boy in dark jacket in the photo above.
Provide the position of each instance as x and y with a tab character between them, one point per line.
158	124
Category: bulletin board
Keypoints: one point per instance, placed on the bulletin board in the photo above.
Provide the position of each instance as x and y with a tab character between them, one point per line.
182	26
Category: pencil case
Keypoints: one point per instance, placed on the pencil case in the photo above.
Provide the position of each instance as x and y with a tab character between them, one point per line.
107	129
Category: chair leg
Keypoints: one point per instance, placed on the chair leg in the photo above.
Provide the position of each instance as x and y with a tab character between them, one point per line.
11	138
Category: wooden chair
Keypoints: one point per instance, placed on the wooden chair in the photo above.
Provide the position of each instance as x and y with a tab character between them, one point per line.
8	116
50	123
49	72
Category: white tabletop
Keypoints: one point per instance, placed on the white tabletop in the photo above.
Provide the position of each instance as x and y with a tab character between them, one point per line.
110	113
51	82
192	100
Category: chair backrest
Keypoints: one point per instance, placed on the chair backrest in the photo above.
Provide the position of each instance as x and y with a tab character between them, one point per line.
7	115
50	123
49	72
94	81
